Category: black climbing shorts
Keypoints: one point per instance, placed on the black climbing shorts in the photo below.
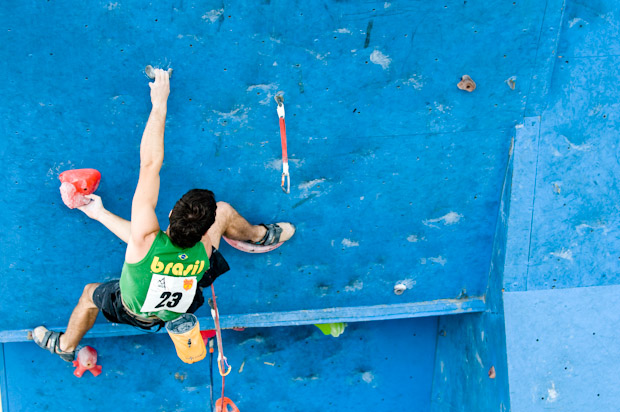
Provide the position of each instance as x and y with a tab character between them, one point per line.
107	296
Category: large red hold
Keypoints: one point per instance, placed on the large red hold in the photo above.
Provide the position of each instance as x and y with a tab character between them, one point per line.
86	361
76	184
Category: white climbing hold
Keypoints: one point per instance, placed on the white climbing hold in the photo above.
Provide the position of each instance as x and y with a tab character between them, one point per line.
400	288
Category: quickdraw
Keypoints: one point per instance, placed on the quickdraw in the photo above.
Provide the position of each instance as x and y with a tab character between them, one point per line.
286	178
222	362
222	404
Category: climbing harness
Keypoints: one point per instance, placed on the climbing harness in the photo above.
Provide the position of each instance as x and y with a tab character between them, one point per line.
286	178
223	403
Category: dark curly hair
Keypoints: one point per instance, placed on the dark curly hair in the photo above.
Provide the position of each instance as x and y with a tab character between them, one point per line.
191	217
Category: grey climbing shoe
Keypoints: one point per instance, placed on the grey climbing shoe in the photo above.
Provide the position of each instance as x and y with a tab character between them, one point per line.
50	341
276	233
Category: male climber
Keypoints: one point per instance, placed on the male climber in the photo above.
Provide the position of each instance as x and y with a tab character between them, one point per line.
164	271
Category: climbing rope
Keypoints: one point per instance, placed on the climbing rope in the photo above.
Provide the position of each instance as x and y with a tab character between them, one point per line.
211	371
286	178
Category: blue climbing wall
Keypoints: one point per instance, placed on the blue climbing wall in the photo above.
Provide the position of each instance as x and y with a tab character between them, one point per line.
396	173
563	261
397	177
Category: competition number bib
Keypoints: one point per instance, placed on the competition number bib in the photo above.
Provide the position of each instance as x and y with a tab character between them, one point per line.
172	293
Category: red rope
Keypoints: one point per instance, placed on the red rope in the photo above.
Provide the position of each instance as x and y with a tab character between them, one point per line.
222	398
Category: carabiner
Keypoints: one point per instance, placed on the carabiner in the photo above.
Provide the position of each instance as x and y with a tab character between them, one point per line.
286	178
222	363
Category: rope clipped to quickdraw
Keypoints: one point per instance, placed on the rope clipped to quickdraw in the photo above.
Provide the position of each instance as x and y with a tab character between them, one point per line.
223	403
222	362
286	178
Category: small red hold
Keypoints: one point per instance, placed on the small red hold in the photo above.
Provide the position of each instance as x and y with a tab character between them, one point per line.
77	183
86	361
206	335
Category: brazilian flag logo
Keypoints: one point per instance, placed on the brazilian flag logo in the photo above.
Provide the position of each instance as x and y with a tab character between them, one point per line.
182	256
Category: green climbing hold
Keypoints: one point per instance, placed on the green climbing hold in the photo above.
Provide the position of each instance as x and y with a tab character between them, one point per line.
334	329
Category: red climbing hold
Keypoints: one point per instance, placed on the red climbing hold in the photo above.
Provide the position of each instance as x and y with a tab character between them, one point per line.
227	402
207	334
86	361
76	184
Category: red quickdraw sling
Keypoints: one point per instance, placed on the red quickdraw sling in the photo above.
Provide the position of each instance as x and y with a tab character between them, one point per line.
286	178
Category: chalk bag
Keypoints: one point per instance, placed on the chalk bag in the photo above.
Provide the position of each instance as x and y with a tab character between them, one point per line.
185	334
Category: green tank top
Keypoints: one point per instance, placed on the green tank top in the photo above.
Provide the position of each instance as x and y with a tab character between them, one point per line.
164	283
